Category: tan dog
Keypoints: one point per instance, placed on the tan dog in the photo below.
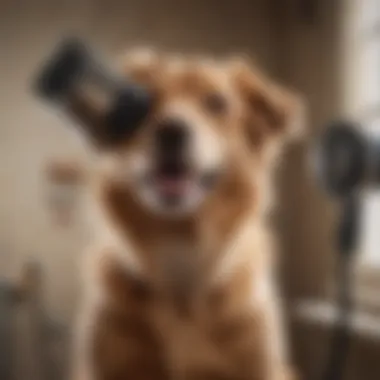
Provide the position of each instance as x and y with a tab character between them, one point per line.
181	283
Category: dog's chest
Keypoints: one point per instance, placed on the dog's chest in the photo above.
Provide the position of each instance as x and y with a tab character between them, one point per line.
212	337
175	267
207	340
191	347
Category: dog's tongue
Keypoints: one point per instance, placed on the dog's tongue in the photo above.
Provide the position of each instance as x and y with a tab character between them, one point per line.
172	186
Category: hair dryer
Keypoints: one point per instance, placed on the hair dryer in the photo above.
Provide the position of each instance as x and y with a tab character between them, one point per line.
107	106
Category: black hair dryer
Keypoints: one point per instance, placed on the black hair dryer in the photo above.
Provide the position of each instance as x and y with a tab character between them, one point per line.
347	158
107	106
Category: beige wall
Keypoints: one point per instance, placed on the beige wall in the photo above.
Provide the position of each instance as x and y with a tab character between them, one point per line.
313	62
29	135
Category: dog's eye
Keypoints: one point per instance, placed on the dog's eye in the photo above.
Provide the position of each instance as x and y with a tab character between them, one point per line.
215	103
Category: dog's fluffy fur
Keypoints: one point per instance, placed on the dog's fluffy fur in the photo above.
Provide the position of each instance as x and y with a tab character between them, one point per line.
191	297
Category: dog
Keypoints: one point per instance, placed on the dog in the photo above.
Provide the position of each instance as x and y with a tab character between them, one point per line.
179	281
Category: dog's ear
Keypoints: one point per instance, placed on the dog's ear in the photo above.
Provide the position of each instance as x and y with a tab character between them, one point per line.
272	113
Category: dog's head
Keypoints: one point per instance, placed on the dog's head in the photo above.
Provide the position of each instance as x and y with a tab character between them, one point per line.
209	119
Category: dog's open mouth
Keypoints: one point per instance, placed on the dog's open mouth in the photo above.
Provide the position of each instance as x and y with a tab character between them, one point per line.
173	180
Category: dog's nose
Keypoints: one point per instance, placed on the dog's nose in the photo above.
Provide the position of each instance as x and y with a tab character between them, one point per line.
171	136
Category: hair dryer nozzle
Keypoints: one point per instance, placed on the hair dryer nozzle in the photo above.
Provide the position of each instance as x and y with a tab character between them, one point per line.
64	68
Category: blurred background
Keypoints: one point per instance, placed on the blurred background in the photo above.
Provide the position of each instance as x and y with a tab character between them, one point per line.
329	50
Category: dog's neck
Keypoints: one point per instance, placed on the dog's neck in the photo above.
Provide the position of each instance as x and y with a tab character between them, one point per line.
182	255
